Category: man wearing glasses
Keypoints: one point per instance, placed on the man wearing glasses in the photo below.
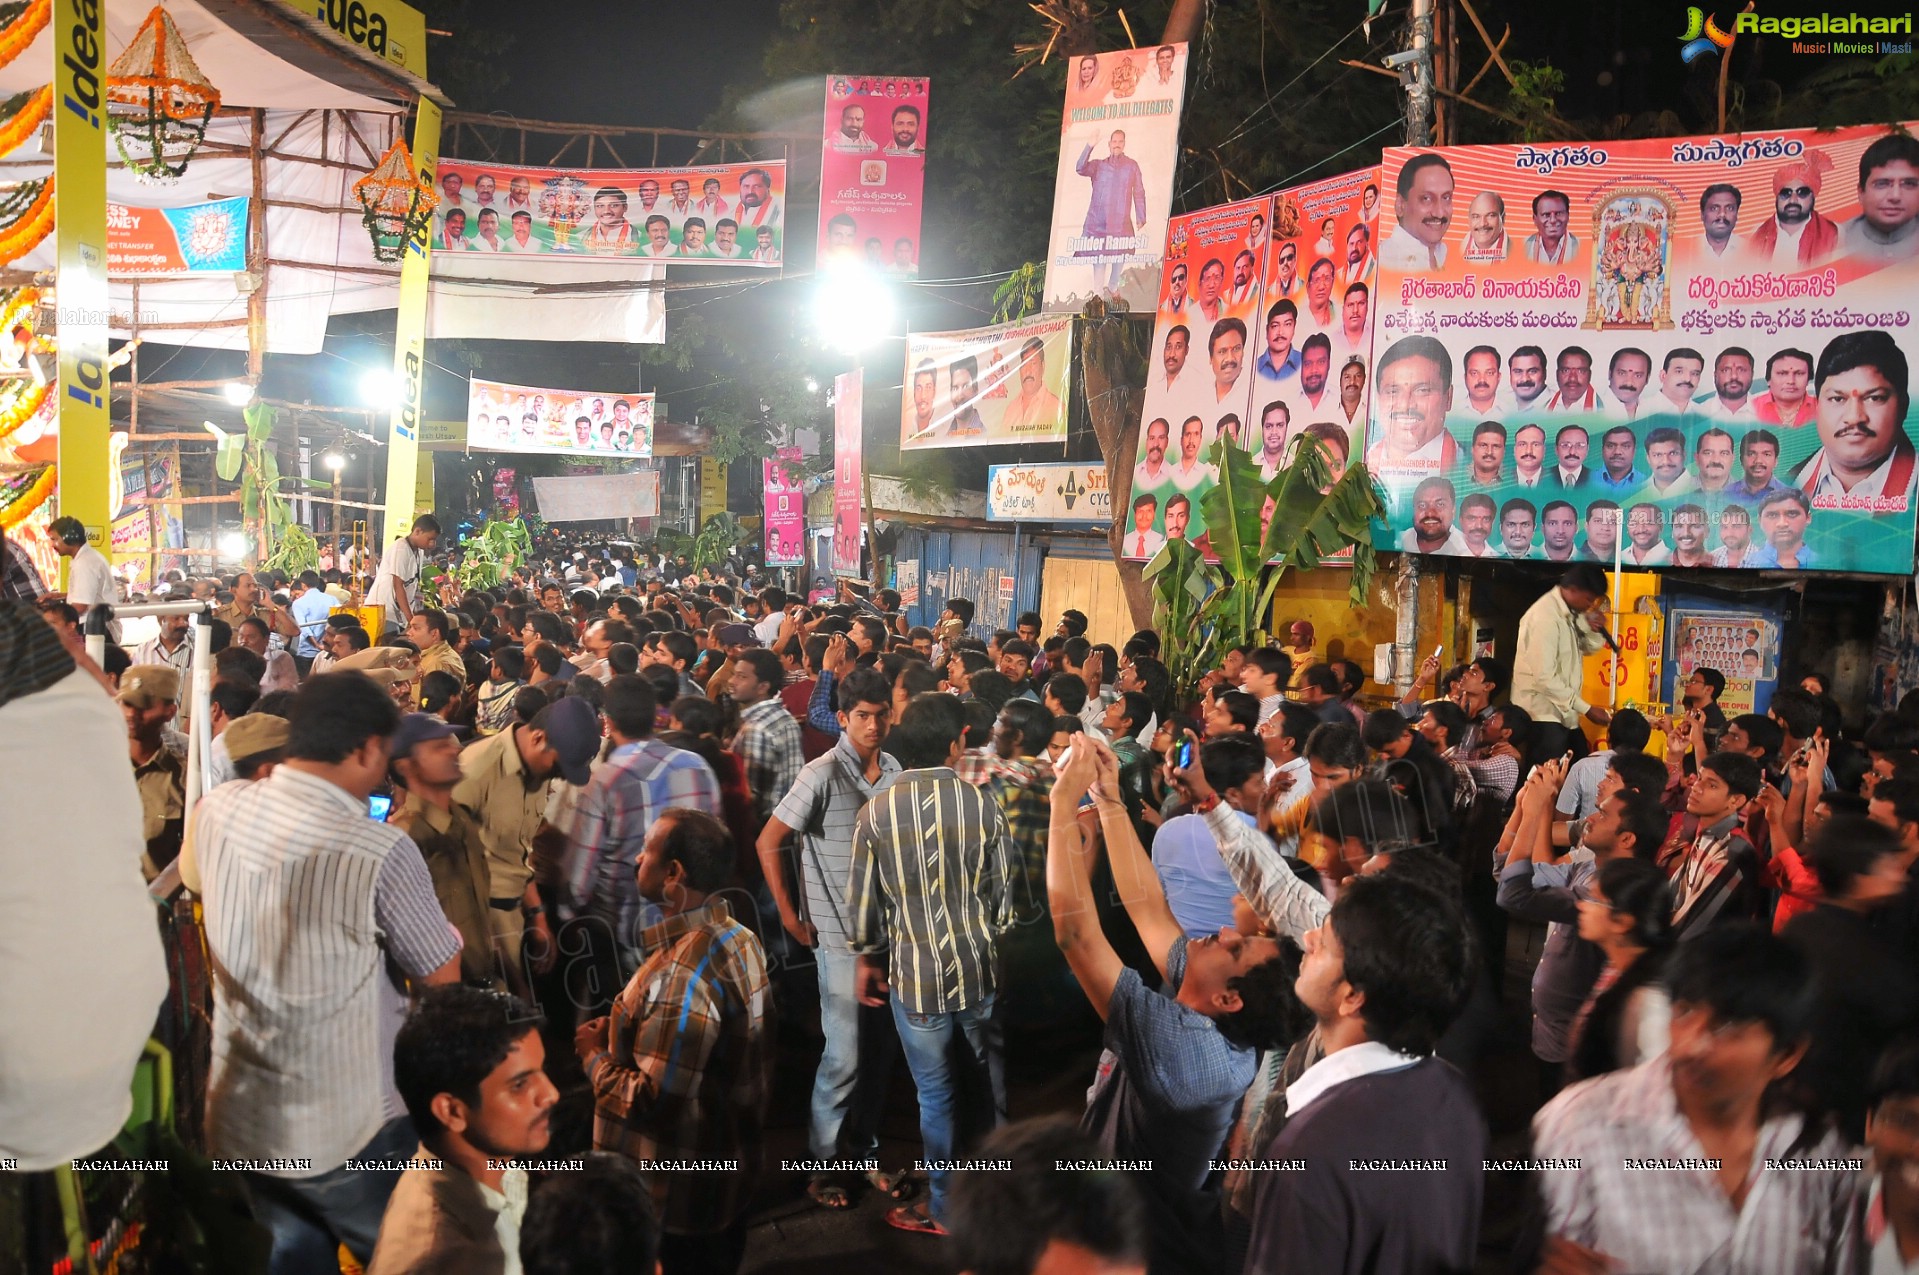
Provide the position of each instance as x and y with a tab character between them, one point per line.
1796	236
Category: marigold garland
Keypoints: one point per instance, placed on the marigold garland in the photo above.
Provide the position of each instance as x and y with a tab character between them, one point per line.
31	498
23	23
23	114
23	409
24	234
15	305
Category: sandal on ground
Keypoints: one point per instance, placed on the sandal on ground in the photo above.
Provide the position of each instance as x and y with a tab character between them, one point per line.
897	1186
913	1217
828	1194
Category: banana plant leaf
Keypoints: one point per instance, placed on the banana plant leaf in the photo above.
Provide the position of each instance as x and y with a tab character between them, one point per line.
1231	510
259	419
229	452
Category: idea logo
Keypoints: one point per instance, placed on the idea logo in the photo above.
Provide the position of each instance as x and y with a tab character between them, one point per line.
1702	36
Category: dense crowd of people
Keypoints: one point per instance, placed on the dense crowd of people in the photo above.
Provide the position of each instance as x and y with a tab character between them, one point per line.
503	905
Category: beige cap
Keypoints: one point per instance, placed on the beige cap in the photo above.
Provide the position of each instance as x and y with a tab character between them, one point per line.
254	734
145	685
386	665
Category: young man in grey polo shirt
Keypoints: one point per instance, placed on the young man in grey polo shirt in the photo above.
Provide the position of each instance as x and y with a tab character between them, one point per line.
822	808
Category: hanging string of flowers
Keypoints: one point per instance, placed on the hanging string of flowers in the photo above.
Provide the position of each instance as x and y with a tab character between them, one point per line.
26	217
20	22
21	405
23	492
22	115
16	304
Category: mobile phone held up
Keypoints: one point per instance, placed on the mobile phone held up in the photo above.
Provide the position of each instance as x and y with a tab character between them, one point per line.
378	806
1183	754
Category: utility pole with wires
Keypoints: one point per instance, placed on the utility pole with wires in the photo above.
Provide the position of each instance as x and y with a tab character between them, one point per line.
1415	68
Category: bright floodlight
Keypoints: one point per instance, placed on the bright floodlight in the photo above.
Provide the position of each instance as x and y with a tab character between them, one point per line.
853	307
334	461
233	545
238	393
379	387
812	386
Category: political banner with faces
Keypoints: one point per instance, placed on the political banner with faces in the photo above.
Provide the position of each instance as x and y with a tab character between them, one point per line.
848	480
785	498
873	171
1200	383
1004	384
715	215
1700	345
587	423
1118	149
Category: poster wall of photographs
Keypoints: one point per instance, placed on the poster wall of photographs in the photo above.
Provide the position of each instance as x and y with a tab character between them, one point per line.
716	215
1263	333
784	492
589	423
989	386
873	171
1118	149
1742	645
1699	344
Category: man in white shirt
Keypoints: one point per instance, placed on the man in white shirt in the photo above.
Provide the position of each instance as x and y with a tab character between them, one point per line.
1190	472
1153	472
1552	210
680	206
756	206
709	204
1423	210
488	239
308	904
1486	238
659	237
1360	262
1732	385
469	1066
726	239
852	138
1526	372
90	579
1141	541
1476	513
82	951
1626	376
1644	527
1529	455
1679	378
1433	530
1555	635
1574	371
1718	214
521	240
1172	358
396	586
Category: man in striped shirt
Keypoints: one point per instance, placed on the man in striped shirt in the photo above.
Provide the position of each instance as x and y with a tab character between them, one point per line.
682	1068
822	809
1693	1161
931	895
307	903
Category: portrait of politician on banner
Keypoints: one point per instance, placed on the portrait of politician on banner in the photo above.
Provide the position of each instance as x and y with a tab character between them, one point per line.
1119	147
1688	351
522	418
1004	384
719	214
873	171
1312	349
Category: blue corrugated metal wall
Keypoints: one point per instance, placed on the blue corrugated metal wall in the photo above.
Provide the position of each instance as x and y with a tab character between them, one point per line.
975	565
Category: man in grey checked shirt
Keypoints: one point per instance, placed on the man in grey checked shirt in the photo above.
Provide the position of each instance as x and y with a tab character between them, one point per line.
822	809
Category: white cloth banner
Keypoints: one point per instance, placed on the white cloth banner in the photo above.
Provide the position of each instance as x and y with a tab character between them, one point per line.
583	499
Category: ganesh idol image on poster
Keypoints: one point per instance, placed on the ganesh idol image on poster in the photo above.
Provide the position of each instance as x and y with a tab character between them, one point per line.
1681	352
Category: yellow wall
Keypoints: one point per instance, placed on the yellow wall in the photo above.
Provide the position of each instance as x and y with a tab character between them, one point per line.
1090	585
1341	632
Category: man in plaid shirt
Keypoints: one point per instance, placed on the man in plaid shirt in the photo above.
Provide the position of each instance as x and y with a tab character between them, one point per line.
642	778
769	738
1018	774
682	1067
19	580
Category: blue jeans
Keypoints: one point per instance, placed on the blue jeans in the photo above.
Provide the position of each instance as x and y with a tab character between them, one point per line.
849	1088
958	1066
310	1218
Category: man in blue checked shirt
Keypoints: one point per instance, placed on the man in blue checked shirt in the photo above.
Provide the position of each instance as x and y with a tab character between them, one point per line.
642	777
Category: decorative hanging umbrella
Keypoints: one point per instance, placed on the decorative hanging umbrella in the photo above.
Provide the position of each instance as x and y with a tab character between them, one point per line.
398	203
158	103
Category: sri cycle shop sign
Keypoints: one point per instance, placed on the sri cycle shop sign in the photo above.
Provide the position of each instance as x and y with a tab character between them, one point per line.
1048	493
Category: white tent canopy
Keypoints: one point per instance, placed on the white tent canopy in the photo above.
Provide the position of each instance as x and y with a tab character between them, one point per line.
319	136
